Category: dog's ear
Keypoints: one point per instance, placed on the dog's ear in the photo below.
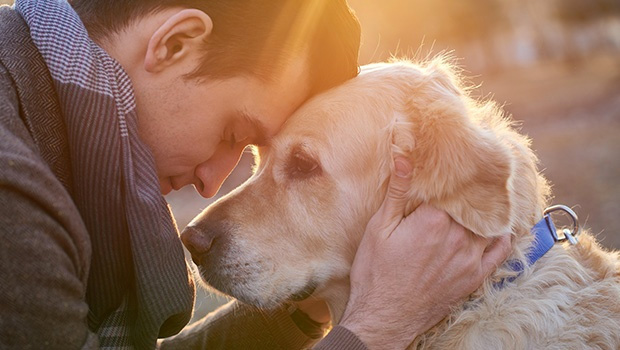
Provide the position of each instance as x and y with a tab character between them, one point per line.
460	165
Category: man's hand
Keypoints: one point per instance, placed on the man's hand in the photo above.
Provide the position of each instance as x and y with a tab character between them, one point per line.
409	271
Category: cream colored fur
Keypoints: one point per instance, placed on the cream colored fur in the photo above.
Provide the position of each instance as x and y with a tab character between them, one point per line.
287	229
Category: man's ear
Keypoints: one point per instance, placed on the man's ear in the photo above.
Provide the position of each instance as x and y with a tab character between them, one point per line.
460	165
177	39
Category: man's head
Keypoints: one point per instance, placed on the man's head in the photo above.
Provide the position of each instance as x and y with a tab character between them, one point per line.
212	76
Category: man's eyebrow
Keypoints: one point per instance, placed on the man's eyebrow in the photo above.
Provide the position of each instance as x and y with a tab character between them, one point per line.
261	137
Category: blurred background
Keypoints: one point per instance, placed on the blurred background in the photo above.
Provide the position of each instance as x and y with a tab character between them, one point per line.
553	64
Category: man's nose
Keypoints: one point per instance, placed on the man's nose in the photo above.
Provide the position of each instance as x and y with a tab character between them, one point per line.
198	242
212	173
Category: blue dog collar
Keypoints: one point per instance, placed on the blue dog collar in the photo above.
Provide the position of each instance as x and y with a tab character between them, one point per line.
545	236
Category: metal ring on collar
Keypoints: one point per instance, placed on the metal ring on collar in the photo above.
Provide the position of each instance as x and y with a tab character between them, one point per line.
568	235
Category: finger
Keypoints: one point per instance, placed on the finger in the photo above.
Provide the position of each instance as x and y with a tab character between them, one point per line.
495	254
480	244
393	207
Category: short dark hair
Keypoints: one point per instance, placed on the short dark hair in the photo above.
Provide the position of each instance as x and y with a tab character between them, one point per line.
253	37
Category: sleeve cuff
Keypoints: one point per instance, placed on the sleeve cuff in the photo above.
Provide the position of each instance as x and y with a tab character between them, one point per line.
342	339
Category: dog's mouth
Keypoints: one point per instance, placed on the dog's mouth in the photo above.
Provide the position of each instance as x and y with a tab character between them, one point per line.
254	300
228	279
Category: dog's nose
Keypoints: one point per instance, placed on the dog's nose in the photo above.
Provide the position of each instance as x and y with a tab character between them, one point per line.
198	242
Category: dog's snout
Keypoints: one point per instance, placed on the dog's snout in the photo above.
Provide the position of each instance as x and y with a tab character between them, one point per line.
197	241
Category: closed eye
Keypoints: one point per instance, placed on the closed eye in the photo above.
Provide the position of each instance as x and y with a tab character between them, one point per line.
233	141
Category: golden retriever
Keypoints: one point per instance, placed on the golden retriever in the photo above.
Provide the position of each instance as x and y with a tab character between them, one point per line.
293	228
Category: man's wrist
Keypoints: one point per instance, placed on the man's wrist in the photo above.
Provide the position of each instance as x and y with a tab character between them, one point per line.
374	333
359	330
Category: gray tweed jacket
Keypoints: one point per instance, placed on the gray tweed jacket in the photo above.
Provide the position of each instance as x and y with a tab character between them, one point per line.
45	249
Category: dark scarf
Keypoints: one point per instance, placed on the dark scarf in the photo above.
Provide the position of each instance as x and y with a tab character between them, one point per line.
139	286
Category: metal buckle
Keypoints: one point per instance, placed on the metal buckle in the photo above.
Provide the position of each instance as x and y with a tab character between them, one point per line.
569	235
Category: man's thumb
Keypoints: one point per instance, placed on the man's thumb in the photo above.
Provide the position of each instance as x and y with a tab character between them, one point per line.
392	210
400	184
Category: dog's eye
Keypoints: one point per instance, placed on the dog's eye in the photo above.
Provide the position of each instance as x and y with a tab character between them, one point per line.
305	165
302	165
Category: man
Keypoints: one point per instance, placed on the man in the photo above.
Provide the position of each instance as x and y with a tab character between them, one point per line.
106	105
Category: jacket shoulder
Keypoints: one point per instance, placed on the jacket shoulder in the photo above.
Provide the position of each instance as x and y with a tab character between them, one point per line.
24	174
13	28
36	96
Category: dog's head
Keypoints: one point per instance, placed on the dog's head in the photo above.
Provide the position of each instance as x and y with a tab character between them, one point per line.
294	227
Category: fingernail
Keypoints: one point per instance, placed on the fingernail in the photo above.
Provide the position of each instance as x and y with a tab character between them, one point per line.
401	167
